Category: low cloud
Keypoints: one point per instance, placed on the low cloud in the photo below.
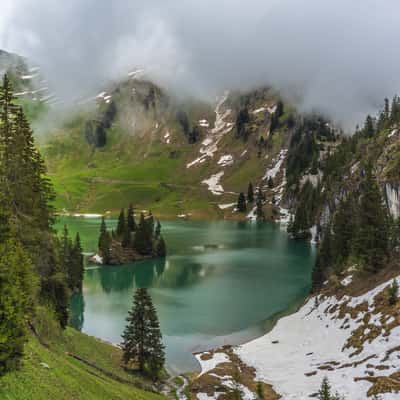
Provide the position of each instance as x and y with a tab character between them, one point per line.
338	57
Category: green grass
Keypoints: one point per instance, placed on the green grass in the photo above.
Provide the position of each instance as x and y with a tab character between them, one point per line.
68	378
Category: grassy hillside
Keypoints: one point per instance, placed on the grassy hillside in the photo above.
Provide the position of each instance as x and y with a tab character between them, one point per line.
138	164
52	373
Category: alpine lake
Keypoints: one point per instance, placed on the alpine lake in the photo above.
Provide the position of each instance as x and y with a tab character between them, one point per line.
222	282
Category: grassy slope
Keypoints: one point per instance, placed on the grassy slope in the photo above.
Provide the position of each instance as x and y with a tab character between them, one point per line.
67	378
141	170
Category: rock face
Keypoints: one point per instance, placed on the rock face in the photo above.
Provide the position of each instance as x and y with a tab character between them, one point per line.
392	192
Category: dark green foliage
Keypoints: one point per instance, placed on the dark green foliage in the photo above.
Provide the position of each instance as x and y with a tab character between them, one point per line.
26	196
393	293
105	242
183	120
131	219
143	236
241	204
242	119
369	128
305	212
18	285
121	226
323	261
260	391
343	231
250	193
324	392
194	135
371	241
142	340
160	249
270	182
76	269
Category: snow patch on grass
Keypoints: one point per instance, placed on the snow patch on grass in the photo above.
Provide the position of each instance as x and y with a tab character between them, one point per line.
225	161
272	172
290	356
208	365
213	183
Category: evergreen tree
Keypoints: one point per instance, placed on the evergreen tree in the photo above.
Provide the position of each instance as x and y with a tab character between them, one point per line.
270	182
142	340
157	232
369	129
131	219
371	243
323	261
143	239
77	271
18	286
259	209
104	242
241	204
161	248
324	392
250	193
343	230
121	226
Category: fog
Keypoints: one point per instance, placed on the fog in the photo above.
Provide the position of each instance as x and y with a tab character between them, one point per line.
339	57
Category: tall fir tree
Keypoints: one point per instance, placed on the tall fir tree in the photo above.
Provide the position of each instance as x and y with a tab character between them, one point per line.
241	204
142	340
371	239
18	288
121	226
131	219
104	242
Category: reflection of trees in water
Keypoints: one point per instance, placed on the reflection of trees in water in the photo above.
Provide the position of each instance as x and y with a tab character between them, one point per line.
151	273
77	311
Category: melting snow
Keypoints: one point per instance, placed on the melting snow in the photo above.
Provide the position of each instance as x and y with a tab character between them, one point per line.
225	206
167	138
261	109
221	127
225	161
313	337
208	365
271	173
213	183
204	123
346	281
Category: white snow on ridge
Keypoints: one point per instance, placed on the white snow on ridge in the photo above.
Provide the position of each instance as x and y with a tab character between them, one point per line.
259	110
221	127
313	337
213	183
271	173
225	206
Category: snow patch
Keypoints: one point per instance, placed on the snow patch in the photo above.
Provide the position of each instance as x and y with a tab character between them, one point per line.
272	172
225	161
208	365
346	281
314	337
225	206
213	183
259	110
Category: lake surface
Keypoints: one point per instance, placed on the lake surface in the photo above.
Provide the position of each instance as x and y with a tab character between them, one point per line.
222	283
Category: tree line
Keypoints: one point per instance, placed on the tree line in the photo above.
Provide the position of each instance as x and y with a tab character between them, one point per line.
37	269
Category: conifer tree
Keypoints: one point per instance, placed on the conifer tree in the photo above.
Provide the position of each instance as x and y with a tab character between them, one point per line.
104	242
270	182
121	226
131	219
141	241
161	248
76	274
369	129
241	204
157	232
142	340
18	287
371	243
324	392
250	193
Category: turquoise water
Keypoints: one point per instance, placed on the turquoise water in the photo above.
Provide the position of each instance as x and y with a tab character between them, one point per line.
221	283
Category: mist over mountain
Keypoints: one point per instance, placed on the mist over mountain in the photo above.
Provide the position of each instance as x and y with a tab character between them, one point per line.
333	56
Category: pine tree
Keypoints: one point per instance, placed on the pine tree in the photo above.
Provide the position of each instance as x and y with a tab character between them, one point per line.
270	182
121	226
369	129
241	204
18	287
250	193
324	392
259	210
371	242
343	230
104	242
323	261
157	232
77	271
142	340
143	241
131	219
161	248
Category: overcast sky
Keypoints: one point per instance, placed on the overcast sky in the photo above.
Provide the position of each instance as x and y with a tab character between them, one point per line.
340	56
